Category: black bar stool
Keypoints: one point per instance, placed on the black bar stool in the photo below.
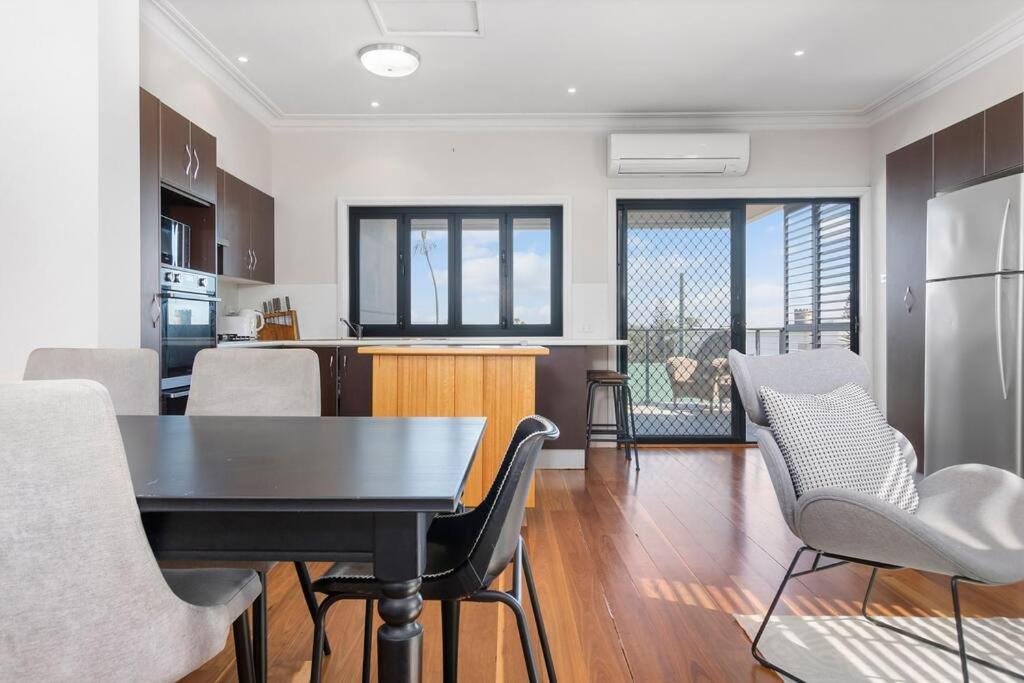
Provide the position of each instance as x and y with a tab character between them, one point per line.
623	430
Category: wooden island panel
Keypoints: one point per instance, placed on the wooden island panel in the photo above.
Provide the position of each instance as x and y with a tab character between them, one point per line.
498	383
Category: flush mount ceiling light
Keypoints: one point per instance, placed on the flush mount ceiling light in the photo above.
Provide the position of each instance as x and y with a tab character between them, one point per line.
390	60
571	91
799	53
243	59
375	104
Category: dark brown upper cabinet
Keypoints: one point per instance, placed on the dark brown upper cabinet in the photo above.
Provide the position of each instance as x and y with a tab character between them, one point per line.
204	172
175	149
188	156
245	230
1004	135
960	153
234	226
262	208
908	182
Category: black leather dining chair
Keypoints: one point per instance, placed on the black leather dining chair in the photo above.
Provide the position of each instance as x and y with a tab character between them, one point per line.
466	552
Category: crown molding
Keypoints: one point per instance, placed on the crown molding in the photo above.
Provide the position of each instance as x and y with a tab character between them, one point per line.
165	20
984	49
704	121
162	17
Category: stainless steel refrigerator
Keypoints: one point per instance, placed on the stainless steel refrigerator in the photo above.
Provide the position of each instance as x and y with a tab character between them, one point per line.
973	321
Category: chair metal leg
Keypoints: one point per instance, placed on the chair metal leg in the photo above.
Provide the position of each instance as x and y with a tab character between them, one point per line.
450	639
953	583
307	592
259	631
243	649
316	671
632	425
960	650
367	640
591	388
517	572
549	662
620	431
767	617
524	632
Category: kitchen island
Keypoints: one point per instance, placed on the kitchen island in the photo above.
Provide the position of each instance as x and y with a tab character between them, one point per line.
490	380
561	392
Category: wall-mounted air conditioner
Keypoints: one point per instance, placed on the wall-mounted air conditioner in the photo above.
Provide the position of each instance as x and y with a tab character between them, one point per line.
671	154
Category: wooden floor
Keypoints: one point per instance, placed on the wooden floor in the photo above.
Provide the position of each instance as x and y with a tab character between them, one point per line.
638	577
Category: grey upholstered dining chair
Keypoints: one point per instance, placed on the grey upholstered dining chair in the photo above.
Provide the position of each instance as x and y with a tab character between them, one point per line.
257	383
132	376
83	597
969	523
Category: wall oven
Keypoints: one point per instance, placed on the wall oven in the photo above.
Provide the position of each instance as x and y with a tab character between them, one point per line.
189	325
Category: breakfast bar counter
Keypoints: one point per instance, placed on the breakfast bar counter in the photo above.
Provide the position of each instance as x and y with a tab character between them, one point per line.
490	380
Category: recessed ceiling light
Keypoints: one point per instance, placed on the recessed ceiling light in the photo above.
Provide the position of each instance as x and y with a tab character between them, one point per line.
799	53
389	59
572	91
375	104
243	59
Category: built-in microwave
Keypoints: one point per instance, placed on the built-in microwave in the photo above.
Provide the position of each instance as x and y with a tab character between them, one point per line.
175	243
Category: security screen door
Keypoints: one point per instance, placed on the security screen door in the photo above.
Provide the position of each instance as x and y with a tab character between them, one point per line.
681	300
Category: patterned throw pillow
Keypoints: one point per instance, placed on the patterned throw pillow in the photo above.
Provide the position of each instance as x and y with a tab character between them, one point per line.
839	439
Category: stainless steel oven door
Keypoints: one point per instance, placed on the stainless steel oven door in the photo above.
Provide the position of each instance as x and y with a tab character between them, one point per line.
189	326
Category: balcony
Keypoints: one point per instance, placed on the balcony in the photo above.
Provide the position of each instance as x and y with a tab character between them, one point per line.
680	378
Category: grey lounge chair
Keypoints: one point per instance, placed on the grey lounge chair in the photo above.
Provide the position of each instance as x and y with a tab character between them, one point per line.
132	376
969	524
83	597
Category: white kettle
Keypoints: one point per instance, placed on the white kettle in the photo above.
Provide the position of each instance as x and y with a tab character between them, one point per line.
246	323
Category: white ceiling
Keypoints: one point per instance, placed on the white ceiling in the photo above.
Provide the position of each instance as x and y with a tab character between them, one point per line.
623	56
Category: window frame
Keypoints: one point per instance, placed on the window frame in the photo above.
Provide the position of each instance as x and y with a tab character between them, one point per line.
454	326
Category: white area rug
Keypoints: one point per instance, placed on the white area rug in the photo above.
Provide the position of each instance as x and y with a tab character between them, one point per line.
852	649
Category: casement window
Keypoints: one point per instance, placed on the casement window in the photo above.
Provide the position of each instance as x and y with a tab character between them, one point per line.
456	271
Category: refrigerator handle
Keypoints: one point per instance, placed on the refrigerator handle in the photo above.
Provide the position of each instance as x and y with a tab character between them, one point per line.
999	332
1002	237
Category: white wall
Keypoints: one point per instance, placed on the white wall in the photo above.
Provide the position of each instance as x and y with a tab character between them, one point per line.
312	168
988	85
243	142
119	263
63	110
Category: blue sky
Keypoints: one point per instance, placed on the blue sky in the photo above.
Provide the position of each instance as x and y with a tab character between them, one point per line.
531	285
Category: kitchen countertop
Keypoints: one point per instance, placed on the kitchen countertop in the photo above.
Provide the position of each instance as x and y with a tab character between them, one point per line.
453	350
434	341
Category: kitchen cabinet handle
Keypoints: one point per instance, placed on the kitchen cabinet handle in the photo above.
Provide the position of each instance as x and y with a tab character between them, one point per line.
250	259
195	173
255	259
188	155
908	299
156	309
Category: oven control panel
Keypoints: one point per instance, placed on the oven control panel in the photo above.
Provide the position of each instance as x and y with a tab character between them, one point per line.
179	280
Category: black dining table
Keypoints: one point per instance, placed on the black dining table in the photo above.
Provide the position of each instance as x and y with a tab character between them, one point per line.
307	489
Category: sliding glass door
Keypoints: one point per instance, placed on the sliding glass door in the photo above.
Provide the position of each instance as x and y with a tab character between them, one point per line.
681	307
698	278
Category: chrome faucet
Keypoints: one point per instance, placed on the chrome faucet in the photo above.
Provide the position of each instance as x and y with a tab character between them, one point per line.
355	328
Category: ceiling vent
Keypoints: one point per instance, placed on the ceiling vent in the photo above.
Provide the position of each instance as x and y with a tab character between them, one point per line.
678	154
427	17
